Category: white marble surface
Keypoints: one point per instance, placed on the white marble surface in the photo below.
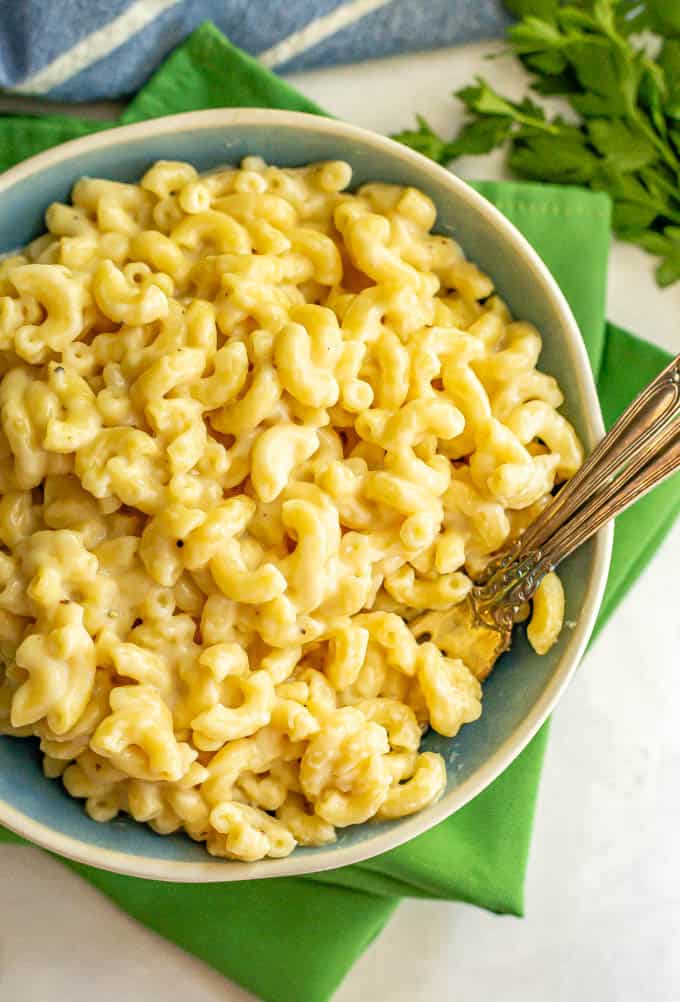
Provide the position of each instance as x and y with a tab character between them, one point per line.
603	893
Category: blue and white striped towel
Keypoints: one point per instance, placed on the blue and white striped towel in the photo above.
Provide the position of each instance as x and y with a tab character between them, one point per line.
88	49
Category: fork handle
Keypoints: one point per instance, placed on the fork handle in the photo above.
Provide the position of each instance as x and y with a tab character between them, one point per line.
633	440
614	499
641	450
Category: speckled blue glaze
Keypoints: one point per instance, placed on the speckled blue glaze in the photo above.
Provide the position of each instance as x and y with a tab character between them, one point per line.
520	692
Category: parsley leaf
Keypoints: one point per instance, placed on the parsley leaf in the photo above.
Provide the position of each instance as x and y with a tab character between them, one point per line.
595	66
425	141
483	100
562	159
665	245
535	35
478	136
481	135
621	142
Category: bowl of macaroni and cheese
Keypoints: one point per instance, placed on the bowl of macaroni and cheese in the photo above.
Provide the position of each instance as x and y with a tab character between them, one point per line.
273	392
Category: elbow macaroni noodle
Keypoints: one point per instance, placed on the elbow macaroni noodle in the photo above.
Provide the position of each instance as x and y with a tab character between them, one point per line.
254	428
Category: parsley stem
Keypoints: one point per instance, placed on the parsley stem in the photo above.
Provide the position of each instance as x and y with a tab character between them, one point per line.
664	149
536	123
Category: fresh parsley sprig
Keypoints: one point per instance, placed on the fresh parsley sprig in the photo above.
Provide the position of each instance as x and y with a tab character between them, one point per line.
626	138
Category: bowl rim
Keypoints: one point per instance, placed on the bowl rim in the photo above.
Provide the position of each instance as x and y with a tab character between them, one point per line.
333	856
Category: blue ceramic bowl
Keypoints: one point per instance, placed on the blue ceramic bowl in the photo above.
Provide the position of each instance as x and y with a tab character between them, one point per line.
524	688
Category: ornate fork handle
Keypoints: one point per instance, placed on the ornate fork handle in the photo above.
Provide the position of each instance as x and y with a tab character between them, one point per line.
641	450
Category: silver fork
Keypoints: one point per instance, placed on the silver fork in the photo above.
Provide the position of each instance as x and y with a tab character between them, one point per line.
641	450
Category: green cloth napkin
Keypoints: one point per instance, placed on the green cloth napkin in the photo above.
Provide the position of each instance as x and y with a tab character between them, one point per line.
290	939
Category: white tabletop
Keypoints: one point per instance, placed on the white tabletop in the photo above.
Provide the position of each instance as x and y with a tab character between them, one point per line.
603	891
